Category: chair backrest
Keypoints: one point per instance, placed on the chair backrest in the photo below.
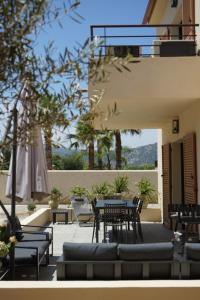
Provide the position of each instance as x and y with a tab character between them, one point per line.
139	206
135	200
93	203
114	212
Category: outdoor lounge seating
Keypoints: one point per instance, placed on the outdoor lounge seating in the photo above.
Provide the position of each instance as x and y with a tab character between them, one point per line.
186	215
32	252
32	248
82	209
117	261
190	265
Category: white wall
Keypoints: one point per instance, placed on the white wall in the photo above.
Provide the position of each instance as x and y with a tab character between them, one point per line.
159	157
65	180
171	16
197	21
110	290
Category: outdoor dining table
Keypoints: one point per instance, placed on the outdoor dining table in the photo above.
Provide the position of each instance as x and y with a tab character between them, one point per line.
129	205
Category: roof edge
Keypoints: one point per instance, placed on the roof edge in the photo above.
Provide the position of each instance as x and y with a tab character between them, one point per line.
149	11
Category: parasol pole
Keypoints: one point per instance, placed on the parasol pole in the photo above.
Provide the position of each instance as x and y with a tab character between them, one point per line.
13	203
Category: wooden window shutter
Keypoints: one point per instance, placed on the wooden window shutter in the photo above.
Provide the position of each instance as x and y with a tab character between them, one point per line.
190	169
166	156
188	17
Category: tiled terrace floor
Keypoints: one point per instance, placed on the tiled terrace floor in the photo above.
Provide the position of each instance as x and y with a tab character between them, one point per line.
153	232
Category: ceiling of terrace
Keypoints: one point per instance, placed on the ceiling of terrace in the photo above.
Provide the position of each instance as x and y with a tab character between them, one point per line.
151	94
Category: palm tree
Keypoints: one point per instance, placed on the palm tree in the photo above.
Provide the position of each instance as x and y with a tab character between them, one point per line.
118	145
118	149
104	145
53	115
85	135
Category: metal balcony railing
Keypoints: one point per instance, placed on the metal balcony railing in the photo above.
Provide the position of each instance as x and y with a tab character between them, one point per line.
164	40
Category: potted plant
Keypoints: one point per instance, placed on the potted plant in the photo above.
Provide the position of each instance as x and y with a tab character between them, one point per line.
103	190
7	242
146	191
79	191
31	207
120	186
55	198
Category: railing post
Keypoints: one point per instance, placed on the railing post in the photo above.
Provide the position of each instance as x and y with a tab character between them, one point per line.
91	33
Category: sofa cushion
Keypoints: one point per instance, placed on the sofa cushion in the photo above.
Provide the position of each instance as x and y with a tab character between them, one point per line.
89	252
154	251
28	256
192	251
37	236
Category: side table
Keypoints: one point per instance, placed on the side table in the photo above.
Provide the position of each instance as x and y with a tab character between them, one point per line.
56	212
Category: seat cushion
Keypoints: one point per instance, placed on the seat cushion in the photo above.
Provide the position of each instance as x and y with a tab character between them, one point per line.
192	251
28	256
154	251
89	252
37	236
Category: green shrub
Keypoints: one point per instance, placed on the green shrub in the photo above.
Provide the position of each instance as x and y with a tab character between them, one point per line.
55	193
31	206
147	191
69	162
57	162
55	198
121	184
73	162
103	189
79	191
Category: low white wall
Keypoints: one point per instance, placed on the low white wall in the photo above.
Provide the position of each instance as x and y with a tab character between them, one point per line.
117	290
40	218
151	214
65	180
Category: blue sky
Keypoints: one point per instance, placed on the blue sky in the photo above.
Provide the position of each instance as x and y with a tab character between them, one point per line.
99	12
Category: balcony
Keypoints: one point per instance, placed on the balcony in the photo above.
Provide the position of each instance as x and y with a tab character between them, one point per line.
146	40
163	76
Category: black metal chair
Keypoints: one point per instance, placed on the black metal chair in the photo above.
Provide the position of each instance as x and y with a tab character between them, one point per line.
138	221
173	214
187	216
96	215
115	215
82	209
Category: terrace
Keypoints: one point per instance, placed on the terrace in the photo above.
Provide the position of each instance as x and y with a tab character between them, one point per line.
25	286
158	47
158	58
80	233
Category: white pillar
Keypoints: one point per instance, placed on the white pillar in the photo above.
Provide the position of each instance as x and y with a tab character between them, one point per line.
159	157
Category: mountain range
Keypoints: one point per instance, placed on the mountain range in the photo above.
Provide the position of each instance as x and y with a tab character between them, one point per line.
140	156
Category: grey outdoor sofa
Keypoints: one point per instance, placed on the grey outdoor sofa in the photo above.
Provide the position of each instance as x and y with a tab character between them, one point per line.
117	261
190	263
